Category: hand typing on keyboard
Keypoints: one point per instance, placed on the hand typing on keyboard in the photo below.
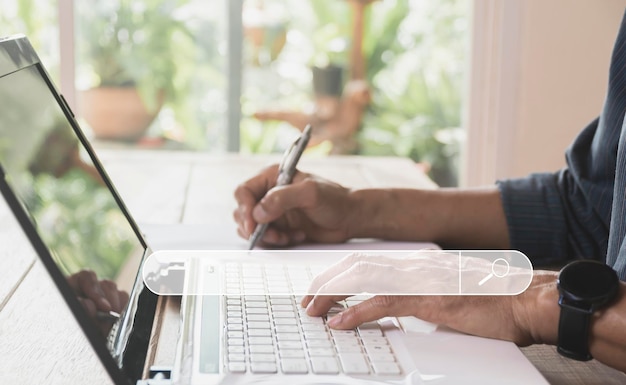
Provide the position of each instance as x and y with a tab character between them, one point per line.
499	317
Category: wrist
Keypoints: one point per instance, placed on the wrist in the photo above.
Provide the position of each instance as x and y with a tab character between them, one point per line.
368	208
537	311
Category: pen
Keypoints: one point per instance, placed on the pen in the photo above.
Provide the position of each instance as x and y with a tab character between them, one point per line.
109	316
286	171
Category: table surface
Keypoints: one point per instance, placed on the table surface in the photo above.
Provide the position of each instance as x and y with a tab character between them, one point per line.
40	342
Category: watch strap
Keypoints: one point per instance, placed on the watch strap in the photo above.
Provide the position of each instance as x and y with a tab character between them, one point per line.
573	339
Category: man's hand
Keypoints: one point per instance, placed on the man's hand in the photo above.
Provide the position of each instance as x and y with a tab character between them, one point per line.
97	295
531	317
309	209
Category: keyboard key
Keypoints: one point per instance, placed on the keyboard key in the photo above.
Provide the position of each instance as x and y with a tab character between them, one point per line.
287	329
236	349
371	329
260	341
258	325
237	367
294	366
258	317
288	336
386	368
284	314
252	305
293	353
314	327
289	345
347	333
346	340
281	301
282	307
353	363
259	333
261	349
262	357
329	352
263	367
324	365
374	349
285	321
319	344
256	310
367	340
236	357
255	298
354	348
235	342
381	357
235	327
315	335
306	319
235	334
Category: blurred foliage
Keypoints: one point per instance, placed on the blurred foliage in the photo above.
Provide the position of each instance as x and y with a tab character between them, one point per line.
416	111
81	223
37	20
415	52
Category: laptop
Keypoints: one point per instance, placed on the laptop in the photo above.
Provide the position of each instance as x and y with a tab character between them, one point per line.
78	224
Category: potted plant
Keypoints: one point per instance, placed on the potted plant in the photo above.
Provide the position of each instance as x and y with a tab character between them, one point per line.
127	50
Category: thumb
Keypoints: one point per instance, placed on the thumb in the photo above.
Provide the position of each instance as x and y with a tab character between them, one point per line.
281	199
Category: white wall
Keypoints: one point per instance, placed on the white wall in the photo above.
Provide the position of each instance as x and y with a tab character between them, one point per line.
536	83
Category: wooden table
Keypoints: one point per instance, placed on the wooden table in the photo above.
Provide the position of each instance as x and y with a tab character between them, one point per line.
41	343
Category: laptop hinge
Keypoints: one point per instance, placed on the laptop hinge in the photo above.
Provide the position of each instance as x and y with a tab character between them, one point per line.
159	375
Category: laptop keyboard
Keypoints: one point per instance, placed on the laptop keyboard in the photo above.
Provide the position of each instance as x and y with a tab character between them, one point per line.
268	331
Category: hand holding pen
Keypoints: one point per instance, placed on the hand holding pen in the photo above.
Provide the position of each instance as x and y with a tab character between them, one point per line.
286	171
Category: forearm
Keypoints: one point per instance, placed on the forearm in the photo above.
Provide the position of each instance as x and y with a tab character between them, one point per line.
607	342
450	217
540	315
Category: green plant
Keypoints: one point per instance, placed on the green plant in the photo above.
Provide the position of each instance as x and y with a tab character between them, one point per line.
138	43
416	111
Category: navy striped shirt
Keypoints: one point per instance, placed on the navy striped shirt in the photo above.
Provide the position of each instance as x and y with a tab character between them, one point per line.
579	211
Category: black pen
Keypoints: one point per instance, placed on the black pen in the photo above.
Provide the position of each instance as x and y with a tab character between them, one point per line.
286	171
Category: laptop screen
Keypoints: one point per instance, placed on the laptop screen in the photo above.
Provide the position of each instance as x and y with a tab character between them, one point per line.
55	180
69	210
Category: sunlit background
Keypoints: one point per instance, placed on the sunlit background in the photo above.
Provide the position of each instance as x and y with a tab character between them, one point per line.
214	75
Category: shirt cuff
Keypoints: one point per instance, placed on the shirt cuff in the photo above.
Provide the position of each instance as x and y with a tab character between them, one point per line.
534	214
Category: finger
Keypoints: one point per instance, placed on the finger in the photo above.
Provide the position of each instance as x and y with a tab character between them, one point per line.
123	297
241	222
274	237
320	304
306	300
90	288
333	270
89	306
281	199
250	192
372	309
111	294
357	273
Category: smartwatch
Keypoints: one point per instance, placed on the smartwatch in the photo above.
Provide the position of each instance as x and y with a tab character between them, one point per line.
584	287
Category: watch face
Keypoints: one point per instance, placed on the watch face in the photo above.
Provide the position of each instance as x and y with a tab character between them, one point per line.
588	281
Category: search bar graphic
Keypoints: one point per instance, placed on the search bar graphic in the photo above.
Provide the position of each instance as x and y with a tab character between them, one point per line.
337	272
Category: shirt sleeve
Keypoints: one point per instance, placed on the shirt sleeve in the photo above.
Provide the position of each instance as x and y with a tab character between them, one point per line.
556	217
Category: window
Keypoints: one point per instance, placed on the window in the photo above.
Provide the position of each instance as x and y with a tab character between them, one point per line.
238	75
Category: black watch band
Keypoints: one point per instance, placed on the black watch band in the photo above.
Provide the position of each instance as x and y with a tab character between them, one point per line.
584	287
573	339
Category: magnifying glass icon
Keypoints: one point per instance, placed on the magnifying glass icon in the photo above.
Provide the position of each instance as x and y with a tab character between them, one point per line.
502	263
